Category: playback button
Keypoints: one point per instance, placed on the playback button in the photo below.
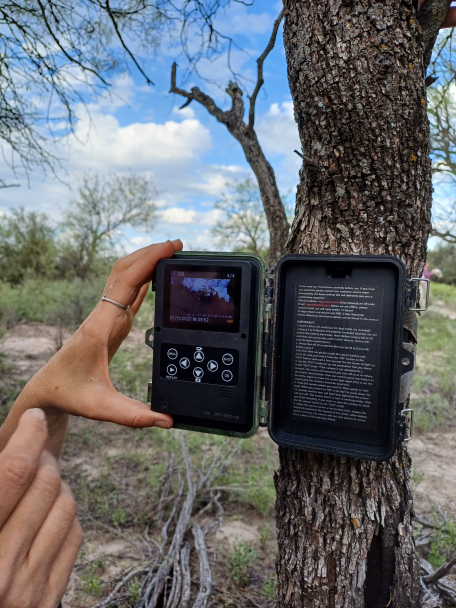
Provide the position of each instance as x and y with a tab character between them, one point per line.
171	369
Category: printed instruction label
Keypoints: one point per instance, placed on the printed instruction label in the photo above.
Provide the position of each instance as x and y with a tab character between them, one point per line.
337	354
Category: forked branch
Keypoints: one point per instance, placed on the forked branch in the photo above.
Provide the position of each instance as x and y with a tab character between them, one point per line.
260	62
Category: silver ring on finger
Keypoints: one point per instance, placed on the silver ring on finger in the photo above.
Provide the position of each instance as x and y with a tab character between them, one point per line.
105	299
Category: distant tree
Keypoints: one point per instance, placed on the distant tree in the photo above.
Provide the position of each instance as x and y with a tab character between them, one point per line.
443	257
27	246
94	221
244	132
242	225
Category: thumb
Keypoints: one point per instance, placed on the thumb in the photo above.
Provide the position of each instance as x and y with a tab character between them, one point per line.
122	410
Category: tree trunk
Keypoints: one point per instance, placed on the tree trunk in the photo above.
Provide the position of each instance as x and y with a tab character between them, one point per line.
356	70
246	135
273	207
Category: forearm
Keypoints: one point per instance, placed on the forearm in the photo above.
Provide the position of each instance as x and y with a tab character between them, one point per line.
30	398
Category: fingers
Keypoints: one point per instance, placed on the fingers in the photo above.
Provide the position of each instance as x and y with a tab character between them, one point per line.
20	459
129	282
124	263
62	567
111	406
18	532
140	299
53	532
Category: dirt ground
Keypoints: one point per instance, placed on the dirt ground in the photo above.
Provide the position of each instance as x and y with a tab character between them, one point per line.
29	346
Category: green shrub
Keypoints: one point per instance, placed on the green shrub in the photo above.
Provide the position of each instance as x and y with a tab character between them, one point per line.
443	547
241	561
62	302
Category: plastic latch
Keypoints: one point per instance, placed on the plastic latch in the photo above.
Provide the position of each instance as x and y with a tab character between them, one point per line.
149	392
150	337
413	285
406	425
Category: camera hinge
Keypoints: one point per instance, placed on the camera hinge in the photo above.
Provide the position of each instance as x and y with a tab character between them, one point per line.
266	347
411	293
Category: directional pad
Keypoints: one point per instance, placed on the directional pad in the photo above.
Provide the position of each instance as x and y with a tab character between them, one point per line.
199	364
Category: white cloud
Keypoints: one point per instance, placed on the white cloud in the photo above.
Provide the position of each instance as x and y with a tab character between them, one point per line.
278	132
144	146
178	215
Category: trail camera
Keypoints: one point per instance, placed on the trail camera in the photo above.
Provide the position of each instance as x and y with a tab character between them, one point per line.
321	350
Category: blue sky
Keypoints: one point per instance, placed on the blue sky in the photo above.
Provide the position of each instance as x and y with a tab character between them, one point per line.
187	154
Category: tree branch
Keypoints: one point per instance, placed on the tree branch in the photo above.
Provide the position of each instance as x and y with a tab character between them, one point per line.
440	572
206	101
57	41
260	62
447	236
119	35
430	17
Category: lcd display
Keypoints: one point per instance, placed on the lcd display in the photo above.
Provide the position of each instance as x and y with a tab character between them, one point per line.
202	298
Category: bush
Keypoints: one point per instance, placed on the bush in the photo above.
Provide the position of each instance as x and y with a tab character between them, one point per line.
61	302
241	562
444	258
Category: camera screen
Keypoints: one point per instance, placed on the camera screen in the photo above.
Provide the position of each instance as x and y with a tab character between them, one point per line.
202	298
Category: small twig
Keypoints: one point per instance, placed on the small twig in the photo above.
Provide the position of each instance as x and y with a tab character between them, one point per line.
119	35
108	601
307	160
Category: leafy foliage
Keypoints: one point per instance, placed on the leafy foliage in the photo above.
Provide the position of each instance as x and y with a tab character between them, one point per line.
27	246
241	561
443	547
444	258
242	225
55	55
92	223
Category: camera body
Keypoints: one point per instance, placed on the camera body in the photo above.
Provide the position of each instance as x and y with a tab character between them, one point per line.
208	315
321	349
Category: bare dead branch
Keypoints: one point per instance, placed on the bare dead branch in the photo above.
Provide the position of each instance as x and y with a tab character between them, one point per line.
260	62
197	95
440	572
205	570
166	487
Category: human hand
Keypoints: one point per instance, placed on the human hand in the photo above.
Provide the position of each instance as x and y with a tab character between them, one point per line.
40	534
76	380
450	18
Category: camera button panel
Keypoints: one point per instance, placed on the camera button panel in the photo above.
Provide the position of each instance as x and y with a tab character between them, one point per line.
203	365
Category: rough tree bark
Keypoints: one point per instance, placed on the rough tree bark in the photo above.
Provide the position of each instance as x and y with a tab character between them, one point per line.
246	135
356	70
